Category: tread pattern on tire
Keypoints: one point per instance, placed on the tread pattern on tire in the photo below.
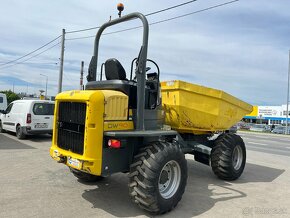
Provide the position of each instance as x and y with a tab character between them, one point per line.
221	156
144	176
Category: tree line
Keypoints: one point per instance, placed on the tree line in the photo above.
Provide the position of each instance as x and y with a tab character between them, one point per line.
11	96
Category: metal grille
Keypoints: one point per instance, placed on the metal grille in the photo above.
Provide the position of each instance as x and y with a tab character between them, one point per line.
71	126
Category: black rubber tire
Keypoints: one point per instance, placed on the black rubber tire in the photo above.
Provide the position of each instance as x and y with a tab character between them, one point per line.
85	177
222	156
1	128
19	132
144	176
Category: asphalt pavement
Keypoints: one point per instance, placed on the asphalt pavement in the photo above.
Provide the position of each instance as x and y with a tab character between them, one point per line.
33	185
267	143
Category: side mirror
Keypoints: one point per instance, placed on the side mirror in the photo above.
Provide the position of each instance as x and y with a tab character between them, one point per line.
3	111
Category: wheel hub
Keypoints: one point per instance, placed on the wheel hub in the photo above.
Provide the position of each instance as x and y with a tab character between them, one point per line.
164	177
237	157
169	179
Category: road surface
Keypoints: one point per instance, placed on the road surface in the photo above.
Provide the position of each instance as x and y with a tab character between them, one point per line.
33	185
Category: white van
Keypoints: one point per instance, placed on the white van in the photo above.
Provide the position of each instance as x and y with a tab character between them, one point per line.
3	102
26	117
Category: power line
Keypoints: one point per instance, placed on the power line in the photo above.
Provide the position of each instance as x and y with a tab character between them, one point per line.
160	21
194	12
83	37
31	63
123	30
9	62
31	56
169	8
152	13
82	30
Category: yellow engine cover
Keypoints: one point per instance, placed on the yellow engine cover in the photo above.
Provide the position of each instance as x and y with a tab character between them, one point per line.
105	111
116	105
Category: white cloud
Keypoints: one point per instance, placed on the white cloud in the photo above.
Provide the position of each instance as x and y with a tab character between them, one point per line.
240	48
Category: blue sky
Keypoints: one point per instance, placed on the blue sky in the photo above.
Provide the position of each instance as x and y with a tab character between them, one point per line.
241	48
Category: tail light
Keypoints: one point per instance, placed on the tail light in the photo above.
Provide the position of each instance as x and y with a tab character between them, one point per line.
113	143
28	118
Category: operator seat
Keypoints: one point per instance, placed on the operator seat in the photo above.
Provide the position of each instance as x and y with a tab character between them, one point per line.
116	80
114	70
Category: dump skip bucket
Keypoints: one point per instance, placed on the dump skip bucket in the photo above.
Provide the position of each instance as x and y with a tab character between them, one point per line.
191	108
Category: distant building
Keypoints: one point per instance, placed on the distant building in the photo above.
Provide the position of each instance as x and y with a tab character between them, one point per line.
268	115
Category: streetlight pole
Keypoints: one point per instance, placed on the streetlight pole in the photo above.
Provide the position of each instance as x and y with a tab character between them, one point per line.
45	84
287	108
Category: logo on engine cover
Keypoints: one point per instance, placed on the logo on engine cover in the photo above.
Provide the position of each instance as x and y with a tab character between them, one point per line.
118	125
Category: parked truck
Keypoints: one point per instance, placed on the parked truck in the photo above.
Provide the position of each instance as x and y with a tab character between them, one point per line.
144	128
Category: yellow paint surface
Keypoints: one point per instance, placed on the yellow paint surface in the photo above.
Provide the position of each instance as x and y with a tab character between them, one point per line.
198	109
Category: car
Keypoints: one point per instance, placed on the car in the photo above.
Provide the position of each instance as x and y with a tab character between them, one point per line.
28	117
245	126
281	130
233	129
267	128
259	128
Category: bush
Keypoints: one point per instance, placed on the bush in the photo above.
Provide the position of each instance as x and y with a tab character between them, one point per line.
11	96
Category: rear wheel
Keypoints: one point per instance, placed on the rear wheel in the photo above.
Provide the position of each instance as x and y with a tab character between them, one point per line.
19	133
228	156
1	128
158	177
85	177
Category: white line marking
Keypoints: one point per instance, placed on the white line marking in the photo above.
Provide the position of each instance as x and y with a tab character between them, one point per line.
256	143
262	137
270	149
266	140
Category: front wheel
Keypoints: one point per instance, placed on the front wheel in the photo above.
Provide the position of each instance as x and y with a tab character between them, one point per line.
228	156
158	177
85	177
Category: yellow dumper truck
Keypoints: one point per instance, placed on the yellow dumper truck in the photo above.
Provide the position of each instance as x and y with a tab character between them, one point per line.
144	128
